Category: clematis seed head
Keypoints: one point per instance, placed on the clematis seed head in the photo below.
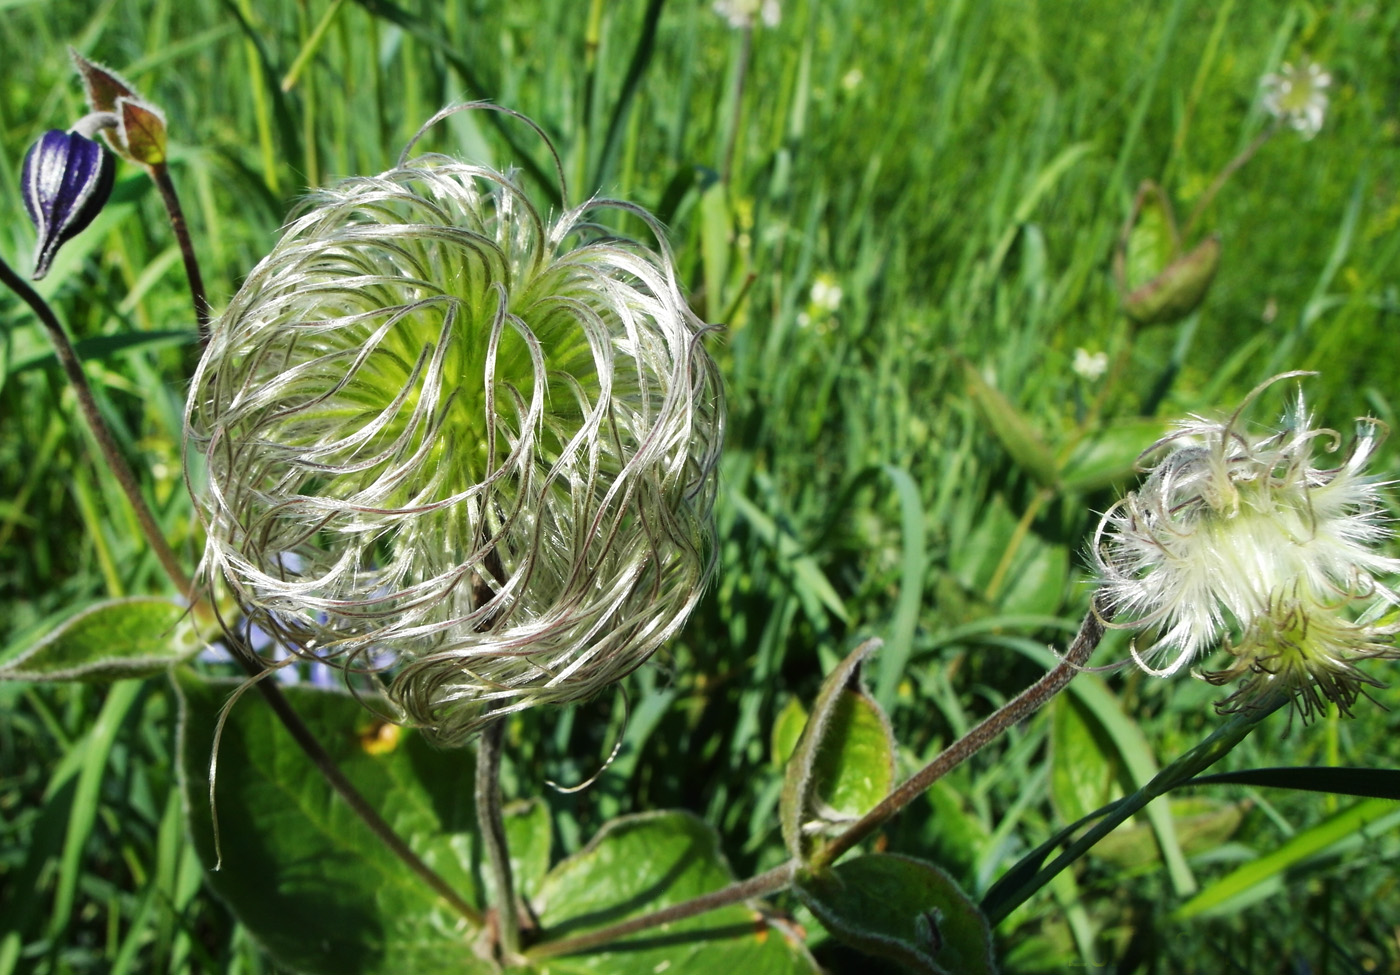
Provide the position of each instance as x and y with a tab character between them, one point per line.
1245	540
441	438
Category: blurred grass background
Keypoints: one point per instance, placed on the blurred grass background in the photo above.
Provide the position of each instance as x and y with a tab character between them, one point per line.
904	217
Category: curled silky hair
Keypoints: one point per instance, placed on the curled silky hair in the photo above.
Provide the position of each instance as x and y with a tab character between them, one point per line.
440	438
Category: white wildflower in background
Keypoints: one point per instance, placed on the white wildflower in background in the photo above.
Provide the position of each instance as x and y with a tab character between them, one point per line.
436	427
743	13
1240	539
1297	96
1090	365
826	294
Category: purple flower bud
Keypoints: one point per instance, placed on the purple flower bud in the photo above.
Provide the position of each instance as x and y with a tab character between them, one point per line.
67	179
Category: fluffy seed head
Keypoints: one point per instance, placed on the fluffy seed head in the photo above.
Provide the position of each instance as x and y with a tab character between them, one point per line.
454	443
1239	539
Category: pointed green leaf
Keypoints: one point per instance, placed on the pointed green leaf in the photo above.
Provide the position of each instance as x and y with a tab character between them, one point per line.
1109	456
528	838
1015	432
1347	832
716	231
854	766
787	730
844	761
1202	824
1179	289
1152	241
139	636
639	864
903	909
300	870
1084	772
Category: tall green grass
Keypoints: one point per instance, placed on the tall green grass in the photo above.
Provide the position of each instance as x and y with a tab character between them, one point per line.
961	171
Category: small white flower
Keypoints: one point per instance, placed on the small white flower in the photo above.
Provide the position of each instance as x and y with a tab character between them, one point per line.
1090	366
852	79
743	13
1237	539
826	294
1297	96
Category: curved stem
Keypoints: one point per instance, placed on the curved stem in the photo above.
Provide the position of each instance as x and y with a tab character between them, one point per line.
491	818
126	479
1019	708
160	174
1091	631
313	749
101	433
765	883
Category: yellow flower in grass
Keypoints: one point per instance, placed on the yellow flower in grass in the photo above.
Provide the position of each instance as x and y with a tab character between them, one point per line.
1250	541
441	438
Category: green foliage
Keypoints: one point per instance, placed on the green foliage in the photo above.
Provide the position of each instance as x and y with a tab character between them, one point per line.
962	173
643	863
843	764
903	909
312	884
134	637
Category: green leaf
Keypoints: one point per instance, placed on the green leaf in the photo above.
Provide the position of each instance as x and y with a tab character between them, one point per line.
143	128
1348	832
1179	289
1152	242
1375	783
640	864
787	730
303	872
844	761
1084	773
1109	455
903	909
1011	427
529	836
716	231
854	766
139	636
1016	571
1201	825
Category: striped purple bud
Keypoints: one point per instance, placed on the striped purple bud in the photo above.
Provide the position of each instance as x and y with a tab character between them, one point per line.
67	179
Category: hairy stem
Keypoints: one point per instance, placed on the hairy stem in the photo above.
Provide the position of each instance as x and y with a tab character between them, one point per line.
101	433
1091	631
126	479
765	883
1019	708
160	174
359	805
491	819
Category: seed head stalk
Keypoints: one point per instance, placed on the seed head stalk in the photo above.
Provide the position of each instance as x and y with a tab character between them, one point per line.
1029	701
170	563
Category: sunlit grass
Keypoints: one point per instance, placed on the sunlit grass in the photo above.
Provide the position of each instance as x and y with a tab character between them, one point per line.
961	172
